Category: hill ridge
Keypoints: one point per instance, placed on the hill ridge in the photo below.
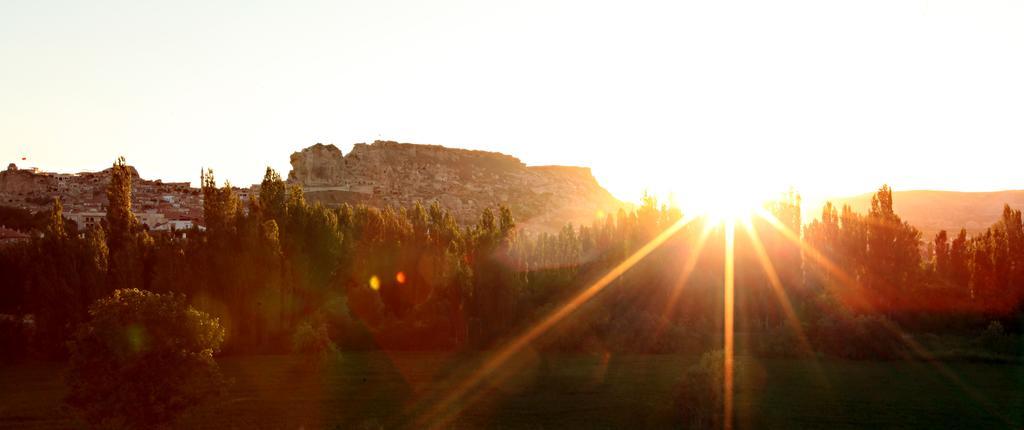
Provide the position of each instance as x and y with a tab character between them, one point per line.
465	181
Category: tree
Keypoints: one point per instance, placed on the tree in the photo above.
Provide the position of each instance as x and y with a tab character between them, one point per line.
272	195
220	205
893	258
1014	225
56	225
120	221
125	242
959	263
143	359
853	242
823	236
982	267
942	254
61	276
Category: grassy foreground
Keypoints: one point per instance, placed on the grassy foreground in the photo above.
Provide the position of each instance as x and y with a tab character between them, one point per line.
371	390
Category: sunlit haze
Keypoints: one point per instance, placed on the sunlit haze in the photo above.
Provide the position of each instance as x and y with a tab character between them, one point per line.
399	284
671	97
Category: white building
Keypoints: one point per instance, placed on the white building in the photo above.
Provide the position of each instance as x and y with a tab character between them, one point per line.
176	225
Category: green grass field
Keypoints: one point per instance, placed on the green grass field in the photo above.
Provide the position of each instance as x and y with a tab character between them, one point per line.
371	390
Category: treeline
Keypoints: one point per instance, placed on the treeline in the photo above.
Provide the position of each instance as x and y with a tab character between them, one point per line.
277	266
890	271
283	274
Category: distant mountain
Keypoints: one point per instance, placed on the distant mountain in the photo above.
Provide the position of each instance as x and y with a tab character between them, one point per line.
542	198
931	211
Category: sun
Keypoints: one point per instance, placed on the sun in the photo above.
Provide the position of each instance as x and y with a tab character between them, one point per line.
727	202
726	209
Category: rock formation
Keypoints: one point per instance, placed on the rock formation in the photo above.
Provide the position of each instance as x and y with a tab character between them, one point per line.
319	166
543	198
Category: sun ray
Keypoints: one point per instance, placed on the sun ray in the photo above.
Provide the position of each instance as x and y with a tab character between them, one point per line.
776	285
688	267
440	416
849	282
783	299
854	288
730	280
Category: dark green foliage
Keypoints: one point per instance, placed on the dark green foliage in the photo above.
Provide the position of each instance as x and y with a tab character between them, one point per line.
272	195
142	359
412	278
859	337
311	338
783	342
129	247
701	392
51	282
20	219
26	221
994	339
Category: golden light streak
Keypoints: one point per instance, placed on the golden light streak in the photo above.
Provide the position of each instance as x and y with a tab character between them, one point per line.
849	282
776	284
730	280
818	257
517	344
688	267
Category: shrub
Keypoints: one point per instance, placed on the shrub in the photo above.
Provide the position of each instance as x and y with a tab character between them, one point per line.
781	342
995	339
346	331
859	337
312	338
143	359
700	396
701	392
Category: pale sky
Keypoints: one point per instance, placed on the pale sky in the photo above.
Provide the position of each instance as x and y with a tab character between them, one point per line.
831	97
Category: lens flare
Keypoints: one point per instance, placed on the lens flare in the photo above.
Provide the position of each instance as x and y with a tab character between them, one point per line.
441	414
136	335
400	277
375	282
850	283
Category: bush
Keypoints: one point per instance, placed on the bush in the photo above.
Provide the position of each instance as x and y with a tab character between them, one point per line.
781	342
700	397
994	339
312	338
860	337
346	331
142	360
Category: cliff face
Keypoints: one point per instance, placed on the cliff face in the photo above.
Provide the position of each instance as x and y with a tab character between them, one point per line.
19	182
319	165
542	198
27	182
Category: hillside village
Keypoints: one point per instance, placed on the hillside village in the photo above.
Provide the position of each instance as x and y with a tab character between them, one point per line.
543	198
159	206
